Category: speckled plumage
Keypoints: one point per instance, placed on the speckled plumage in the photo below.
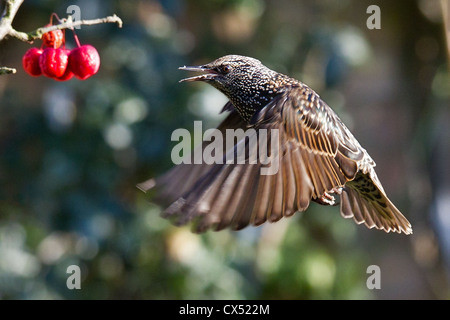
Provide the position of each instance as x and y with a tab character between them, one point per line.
318	157
249	85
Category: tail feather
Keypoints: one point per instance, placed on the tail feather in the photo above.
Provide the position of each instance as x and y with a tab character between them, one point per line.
364	201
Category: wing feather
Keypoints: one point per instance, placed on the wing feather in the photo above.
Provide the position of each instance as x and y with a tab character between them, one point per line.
316	155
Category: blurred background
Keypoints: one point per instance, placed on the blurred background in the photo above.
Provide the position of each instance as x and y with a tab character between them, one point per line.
71	153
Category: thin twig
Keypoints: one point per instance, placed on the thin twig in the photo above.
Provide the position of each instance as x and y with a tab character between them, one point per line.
67	24
446	17
10	11
6	70
8	14
6	29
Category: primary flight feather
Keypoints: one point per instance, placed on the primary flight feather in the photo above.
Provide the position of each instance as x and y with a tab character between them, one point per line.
316	157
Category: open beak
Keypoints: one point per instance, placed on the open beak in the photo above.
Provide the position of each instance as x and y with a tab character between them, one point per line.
210	74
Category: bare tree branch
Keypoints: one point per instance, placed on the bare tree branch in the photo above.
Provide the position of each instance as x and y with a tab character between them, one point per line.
446	17
6	70
66	24
6	29
9	12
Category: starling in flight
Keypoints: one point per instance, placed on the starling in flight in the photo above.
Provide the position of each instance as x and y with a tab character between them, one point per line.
317	157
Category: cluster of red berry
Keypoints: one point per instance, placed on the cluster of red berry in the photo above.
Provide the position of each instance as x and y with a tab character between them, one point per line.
55	61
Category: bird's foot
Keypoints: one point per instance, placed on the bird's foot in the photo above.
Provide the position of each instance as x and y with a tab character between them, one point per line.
327	199
337	190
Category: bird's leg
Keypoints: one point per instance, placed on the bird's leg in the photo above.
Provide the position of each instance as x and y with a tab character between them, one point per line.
327	199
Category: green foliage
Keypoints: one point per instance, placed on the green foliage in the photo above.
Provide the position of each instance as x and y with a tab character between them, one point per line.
72	153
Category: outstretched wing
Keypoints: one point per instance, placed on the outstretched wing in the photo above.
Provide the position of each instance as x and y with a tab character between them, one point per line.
329	152
310	148
364	200
318	129
174	183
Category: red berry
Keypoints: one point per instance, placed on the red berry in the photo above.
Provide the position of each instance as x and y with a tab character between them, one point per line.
53	62
68	74
30	62
53	39
84	61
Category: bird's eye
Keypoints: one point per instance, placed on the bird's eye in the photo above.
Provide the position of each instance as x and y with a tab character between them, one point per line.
225	69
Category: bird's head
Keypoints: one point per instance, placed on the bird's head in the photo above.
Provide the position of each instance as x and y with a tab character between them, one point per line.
245	81
230	72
